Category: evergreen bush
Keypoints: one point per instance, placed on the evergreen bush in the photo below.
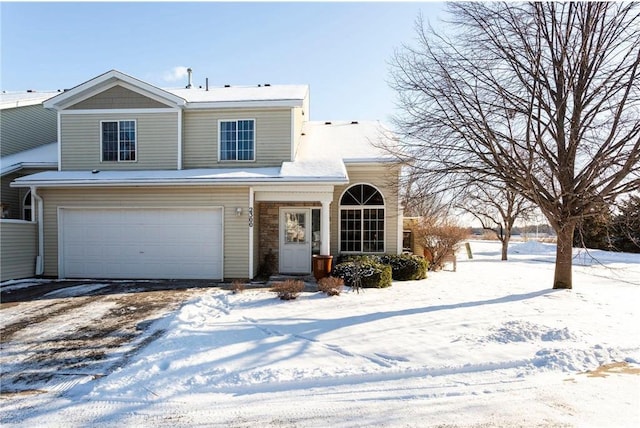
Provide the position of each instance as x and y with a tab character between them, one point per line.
372	274
406	267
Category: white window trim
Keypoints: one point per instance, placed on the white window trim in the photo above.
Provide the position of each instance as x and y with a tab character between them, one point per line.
362	208
255	140
135	122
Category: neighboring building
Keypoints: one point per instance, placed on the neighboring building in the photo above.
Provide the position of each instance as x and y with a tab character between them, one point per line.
208	183
28	135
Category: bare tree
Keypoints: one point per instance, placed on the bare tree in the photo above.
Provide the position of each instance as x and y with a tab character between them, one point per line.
497	208
542	97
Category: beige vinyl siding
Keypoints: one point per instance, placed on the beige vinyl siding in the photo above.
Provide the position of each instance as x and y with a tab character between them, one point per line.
18	249
13	196
25	128
385	179
200	137
117	97
156	139
235	229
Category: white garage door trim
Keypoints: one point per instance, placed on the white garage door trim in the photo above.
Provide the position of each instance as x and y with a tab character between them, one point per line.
151	253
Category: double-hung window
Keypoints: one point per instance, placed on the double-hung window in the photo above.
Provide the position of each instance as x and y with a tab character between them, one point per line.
237	140
118	140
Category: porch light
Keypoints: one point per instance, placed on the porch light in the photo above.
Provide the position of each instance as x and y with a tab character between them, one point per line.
238	212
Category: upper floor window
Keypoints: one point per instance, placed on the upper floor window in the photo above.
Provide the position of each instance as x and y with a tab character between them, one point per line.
362	220
119	140
237	140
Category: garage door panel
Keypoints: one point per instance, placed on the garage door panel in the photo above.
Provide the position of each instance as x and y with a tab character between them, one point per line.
142	243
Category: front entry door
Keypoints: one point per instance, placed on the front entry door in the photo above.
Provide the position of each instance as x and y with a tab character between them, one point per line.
295	240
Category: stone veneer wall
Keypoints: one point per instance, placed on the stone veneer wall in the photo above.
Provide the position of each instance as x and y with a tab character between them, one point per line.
269	225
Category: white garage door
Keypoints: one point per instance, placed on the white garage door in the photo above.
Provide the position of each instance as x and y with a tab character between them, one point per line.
141	243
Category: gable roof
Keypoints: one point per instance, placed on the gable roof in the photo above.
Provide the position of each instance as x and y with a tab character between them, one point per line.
108	80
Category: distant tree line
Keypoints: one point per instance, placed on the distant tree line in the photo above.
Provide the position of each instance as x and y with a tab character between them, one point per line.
541	229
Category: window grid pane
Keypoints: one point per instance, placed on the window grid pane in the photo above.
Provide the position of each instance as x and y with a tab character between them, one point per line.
127	140
228	141
237	140
373	230
109	141
351	230
119	140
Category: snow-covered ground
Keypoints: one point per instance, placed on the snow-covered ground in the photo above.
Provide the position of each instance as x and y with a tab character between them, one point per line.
489	345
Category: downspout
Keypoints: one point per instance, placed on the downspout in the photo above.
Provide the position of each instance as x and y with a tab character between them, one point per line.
40	219
251	223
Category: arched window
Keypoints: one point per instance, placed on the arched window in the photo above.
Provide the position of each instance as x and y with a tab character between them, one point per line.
362	220
26	207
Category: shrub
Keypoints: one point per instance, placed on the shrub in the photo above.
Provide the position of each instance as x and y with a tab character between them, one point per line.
331	285
269	266
371	274
289	289
439	238
406	267
237	287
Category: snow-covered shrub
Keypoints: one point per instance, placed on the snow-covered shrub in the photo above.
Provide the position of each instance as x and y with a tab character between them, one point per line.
370	273
406	267
331	285
289	289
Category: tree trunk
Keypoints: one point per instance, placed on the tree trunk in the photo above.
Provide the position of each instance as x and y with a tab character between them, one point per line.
505	248
564	257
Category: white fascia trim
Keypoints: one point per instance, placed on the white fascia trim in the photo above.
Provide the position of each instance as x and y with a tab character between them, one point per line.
29	165
369	161
288	188
243	104
169	182
120	111
301	193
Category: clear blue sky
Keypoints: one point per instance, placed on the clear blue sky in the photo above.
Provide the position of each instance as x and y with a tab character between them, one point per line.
340	49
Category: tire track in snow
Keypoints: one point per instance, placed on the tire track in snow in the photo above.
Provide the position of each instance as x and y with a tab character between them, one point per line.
380	360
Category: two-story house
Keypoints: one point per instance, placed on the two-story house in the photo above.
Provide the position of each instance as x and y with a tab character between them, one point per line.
208	183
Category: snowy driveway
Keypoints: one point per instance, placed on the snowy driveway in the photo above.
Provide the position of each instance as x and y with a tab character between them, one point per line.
491	345
56	335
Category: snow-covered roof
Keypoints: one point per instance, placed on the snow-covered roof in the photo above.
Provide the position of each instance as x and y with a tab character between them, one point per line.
181	177
45	156
242	93
214	97
351	142
24	98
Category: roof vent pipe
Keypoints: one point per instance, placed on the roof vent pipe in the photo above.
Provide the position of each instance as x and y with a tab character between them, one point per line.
206	84
189	72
